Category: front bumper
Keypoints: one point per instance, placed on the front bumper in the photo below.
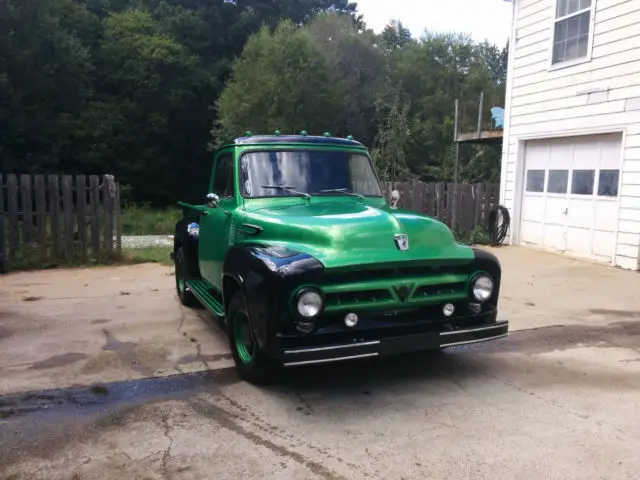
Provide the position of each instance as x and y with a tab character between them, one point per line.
393	345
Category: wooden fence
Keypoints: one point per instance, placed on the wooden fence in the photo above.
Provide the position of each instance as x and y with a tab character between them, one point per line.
51	218
473	201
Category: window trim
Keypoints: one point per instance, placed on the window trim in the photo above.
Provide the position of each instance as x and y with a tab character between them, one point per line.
220	153
554	20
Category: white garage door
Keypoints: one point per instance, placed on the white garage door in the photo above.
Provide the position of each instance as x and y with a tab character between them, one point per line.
570	196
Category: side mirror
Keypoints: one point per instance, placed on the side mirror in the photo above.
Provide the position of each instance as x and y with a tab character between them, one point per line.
212	200
395	198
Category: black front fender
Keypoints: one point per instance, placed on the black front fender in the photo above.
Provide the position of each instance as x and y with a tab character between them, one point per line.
267	276
487	262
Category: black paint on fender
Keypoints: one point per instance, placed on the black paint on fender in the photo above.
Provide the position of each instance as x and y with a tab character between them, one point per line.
487	262
267	277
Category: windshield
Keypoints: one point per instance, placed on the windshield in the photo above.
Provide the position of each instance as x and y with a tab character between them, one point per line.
307	172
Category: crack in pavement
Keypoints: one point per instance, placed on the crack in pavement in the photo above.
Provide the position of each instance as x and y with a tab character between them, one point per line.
167	453
225	420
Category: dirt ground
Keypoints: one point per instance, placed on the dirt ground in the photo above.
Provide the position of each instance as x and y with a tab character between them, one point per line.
103	375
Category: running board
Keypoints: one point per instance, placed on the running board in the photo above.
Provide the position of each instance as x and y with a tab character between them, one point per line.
201	289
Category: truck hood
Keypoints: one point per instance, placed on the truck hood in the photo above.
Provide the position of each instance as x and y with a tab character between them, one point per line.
350	232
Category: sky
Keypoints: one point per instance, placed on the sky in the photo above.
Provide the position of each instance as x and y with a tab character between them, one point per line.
482	19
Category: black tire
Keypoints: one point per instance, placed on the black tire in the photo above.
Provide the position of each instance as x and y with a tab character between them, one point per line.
186	297
252	363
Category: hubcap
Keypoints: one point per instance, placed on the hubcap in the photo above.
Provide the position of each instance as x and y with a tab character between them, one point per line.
243	338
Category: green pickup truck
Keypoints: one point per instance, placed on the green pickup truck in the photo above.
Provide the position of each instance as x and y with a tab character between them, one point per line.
296	248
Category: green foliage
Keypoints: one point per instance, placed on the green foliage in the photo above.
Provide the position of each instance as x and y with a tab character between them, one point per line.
145	220
477	236
280	81
133	88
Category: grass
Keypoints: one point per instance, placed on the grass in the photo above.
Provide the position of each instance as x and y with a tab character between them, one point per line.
159	255
145	220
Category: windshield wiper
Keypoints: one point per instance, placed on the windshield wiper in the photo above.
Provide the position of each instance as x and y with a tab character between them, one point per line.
343	190
289	189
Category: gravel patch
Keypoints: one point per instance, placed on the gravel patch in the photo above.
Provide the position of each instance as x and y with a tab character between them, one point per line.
144	241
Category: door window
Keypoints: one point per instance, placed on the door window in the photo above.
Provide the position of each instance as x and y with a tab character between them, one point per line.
582	182
535	180
223	176
558	180
608	183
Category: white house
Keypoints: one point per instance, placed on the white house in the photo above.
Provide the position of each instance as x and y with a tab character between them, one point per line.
571	151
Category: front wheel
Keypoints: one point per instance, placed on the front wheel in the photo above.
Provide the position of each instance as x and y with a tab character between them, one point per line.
252	363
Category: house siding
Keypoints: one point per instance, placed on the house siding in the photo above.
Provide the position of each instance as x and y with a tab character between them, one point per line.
596	96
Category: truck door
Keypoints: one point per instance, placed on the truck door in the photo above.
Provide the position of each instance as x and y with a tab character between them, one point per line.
214	227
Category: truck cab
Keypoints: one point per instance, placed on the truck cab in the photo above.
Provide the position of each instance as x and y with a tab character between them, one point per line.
295	246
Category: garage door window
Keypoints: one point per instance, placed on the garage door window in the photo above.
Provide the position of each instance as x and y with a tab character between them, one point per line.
535	180
608	183
582	182
558	180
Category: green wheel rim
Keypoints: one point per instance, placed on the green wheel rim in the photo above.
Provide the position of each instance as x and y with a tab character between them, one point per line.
243	338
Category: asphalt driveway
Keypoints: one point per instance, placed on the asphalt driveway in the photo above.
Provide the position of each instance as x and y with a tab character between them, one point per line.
103	375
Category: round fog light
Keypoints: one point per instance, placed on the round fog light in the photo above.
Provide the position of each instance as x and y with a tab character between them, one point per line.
448	309
351	319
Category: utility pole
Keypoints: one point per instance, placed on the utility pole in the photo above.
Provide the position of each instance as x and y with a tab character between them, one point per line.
455	170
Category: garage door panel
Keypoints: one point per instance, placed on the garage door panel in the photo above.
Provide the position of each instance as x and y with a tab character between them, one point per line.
603	243
570	200
531	232
579	240
580	213
554	237
606	216
531	208
555	208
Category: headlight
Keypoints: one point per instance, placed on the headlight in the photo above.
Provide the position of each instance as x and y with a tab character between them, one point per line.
309	303
482	287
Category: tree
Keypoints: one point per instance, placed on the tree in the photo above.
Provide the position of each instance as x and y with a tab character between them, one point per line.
281	81
356	69
395	36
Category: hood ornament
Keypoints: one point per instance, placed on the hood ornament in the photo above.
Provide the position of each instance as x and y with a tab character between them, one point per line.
402	241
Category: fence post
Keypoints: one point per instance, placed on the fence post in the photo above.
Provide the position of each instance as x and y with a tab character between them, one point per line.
81	199
118	226
95	218
3	258
67	205
108	195
12	207
54	209
27	212
41	212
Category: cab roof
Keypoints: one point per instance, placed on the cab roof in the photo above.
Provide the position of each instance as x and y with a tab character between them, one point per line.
293	139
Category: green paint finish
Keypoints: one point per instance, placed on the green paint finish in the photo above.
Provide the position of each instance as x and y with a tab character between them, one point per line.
202	290
349	232
344	222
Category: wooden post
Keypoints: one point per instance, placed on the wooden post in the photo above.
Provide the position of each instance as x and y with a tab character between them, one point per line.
480	113
81	200
67	204
12	207
41	212
54	212
107	200
27	208
95	219
455	171
118	221
3	257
